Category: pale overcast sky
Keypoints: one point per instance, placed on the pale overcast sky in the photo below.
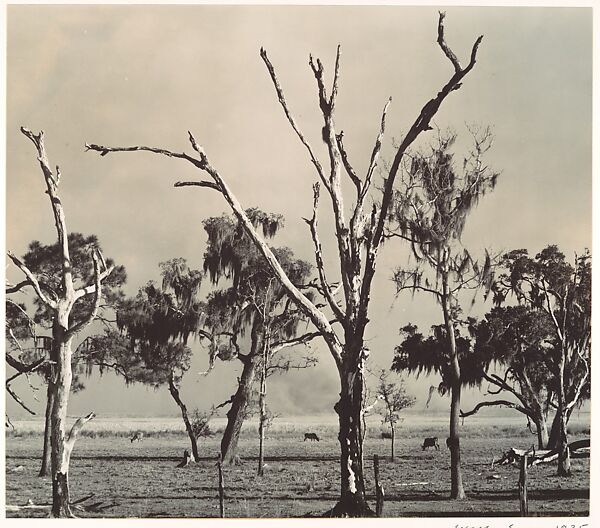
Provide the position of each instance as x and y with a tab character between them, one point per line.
124	75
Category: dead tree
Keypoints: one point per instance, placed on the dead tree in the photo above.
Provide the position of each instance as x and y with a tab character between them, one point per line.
60	302
358	241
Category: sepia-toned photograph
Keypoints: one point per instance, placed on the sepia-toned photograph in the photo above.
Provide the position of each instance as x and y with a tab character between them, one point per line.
299	261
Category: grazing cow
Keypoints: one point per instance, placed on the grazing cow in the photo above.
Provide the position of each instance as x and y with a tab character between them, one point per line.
430	442
386	434
311	436
448	442
138	436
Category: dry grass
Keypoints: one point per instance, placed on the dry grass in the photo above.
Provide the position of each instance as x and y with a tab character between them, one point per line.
301	478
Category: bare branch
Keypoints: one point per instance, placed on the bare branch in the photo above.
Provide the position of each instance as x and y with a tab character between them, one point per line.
336	76
290	118
32	280
325	287
441	41
164	152
19	400
56	204
289	364
300	340
97	291
349	169
22	368
376	151
208	184
503	385
504	403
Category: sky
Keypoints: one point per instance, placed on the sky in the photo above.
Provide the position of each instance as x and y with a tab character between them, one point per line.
145	75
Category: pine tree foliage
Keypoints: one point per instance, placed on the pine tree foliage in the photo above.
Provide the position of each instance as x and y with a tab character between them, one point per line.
46	262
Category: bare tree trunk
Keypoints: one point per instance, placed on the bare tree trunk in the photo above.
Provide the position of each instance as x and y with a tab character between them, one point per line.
239	404
174	390
456	485
352	501
46	460
262	418
542	431
555	429
564	458
393	438
456	489
61	389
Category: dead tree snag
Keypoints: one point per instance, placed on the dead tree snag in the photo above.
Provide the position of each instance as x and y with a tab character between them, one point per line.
60	302
358	241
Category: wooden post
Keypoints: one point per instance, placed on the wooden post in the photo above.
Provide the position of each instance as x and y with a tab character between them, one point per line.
379	494
523	487
221	488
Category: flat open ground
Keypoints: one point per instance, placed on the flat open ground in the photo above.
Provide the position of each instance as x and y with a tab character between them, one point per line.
301	478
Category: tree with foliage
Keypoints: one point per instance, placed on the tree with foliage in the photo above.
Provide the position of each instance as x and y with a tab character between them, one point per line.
394	398
359	237
157	324
254	302
419	355
45	261
430	212
518	340
562	291
72	305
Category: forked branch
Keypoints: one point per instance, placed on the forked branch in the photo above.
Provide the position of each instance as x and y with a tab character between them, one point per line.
290	117
32	280
495	403
325	287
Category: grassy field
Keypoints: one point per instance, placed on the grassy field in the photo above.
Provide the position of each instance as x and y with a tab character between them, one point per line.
301	478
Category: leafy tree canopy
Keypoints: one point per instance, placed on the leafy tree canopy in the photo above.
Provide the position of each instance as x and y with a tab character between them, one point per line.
426	355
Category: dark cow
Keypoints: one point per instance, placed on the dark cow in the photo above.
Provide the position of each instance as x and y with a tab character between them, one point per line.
137	437
448	442
311	436
385	435
430	442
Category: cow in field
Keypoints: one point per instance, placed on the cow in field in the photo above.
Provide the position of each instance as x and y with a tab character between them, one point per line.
138	436
448	442
430	442
385	435
311	436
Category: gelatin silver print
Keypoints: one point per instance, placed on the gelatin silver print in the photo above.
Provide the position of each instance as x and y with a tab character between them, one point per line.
299	261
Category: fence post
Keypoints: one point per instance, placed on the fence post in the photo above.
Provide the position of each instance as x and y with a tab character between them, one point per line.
523	487
221	487
379	493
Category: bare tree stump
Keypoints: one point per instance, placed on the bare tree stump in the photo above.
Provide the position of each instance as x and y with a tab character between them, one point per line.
186	461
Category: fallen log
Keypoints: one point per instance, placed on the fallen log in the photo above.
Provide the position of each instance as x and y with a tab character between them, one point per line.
578	449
